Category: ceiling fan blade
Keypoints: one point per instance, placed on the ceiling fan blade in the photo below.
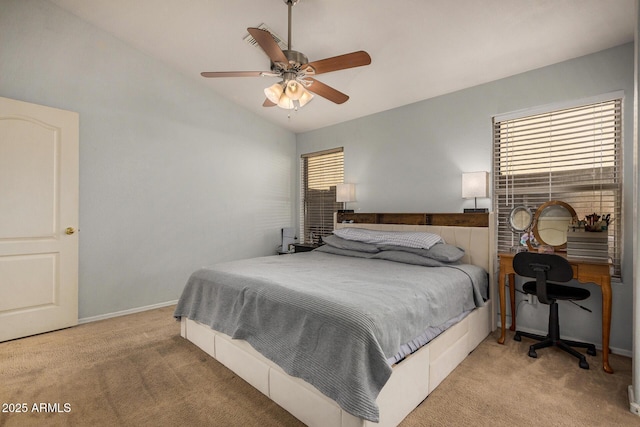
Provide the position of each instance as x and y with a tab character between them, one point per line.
268	103
341	62
232	73
268	44
325	91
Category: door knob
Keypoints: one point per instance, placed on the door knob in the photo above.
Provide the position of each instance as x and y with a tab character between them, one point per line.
70	230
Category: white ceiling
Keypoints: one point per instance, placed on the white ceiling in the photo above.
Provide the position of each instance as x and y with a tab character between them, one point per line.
419	48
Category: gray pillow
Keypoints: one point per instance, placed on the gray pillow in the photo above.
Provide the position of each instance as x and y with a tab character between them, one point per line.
407	258
411	239
417	251
344	252
440	251
445	252
352	245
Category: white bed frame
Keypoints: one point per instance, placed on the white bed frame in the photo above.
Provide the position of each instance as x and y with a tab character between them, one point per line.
412	380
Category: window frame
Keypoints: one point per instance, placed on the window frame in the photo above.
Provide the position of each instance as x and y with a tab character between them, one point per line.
572	186
317	211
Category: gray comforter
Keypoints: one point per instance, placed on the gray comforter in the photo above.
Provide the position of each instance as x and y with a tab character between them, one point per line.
328	319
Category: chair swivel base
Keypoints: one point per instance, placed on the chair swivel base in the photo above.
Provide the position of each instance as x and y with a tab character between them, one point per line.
565	345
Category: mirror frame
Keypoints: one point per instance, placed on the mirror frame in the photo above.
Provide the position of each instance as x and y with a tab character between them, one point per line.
512	214
536	217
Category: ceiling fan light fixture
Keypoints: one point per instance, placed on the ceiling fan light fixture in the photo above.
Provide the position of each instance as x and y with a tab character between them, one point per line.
285	102
305	98
294	69
274	92
294	90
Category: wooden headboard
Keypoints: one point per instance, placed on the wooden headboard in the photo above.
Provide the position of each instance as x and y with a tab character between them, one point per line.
473	232
448	219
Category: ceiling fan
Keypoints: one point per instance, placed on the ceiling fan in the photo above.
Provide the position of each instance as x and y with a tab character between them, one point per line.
295	70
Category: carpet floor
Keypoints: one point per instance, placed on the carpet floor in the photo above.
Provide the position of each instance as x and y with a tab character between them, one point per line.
136	370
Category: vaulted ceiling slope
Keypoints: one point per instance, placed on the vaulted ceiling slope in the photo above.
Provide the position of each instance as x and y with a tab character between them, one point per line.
419	48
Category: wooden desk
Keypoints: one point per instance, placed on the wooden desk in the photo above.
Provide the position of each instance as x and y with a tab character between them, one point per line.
583	271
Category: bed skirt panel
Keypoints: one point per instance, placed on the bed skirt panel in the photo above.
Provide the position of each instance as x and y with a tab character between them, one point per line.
304	401
407	387
240	357
479	327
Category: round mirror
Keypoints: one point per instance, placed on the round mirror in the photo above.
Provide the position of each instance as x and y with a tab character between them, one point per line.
551	223
520	218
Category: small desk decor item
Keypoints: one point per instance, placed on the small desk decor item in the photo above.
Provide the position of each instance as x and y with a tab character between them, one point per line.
588	246
551	222
588	240
528	239
545	249
595	222
520	219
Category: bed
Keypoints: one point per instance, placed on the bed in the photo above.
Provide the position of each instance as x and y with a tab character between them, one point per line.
371	374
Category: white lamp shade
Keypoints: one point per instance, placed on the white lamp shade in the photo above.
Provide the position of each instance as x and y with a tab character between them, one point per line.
274	93
305	98
294	90
345	193
475	184
286	102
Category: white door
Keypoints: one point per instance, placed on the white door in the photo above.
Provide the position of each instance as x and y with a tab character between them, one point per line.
38	219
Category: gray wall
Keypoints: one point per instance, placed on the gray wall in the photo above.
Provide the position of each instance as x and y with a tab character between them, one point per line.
410	159
172	177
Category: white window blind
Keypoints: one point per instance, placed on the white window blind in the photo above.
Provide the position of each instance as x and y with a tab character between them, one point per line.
572	155
320	172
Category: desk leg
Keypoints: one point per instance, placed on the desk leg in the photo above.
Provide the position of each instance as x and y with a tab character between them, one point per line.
606	322
503	315
512	300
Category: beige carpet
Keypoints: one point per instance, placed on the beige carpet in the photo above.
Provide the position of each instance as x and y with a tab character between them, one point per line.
136	371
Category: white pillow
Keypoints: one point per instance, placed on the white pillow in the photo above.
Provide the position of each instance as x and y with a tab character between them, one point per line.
409	239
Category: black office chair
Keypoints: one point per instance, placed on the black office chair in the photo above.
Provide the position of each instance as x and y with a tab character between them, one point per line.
553	268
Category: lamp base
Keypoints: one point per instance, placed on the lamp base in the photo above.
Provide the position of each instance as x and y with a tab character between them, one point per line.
475	210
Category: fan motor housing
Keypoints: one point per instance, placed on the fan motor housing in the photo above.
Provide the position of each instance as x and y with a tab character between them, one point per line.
296	59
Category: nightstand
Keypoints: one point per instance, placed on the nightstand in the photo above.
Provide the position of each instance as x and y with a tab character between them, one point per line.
304	247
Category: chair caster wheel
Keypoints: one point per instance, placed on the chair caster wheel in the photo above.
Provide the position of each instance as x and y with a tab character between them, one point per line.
517	337
532	353
583	364
591	351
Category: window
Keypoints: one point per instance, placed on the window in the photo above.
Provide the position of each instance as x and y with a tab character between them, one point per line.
572	154
320	172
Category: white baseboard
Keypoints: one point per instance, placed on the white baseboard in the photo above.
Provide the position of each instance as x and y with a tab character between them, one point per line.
634	407
125	312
